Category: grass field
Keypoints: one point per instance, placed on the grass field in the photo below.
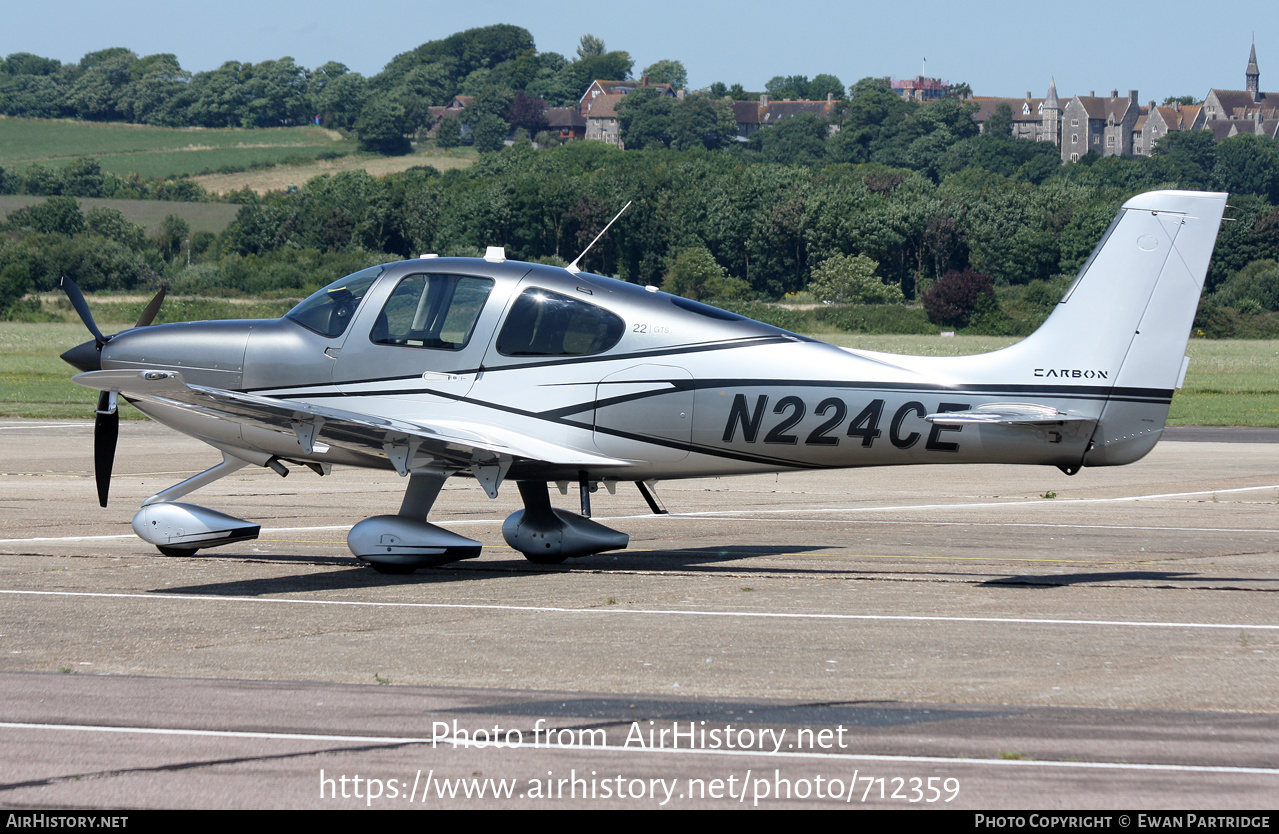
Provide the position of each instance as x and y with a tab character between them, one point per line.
281	177
202	153
163	152
202	217
1230	383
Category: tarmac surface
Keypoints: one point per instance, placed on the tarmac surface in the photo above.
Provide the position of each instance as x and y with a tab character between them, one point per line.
946	637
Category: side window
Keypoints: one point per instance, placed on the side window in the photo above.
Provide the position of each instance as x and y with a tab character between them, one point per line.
330	310
544	323
432	311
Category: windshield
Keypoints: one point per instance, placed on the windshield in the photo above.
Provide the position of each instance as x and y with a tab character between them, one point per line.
330	310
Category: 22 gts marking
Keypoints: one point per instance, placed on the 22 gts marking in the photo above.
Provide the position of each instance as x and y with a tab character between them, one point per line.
865	426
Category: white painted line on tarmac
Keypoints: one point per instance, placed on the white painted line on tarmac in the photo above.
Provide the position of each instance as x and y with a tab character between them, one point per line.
703	514
612	609
917	524
987	504
50	426
67	539
616	748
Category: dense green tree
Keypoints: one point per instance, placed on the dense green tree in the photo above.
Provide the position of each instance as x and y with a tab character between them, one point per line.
667	72
462	53
489	132
171	237
341	99
1257	283
788	87
590	46
701	122
382	125
528	112
647	118
957	296
15	282
1000	123
56	215
799	140
693	273
824	84
111	224
1186	157
448	133
158	92
220	97
1248	164
852	279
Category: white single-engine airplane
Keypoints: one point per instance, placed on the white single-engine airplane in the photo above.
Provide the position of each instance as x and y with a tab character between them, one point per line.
435	367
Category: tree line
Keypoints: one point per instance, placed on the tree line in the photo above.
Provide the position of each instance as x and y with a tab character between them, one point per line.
880	202
719	225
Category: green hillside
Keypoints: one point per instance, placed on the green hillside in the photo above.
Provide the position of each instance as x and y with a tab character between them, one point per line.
162	152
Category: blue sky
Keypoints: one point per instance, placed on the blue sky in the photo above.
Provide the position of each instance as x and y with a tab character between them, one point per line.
1170	47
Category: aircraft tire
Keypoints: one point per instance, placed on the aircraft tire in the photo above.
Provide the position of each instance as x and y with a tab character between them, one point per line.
545	558
392	570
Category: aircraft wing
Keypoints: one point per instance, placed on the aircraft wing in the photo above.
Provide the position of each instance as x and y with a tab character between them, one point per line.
1007	414
449	442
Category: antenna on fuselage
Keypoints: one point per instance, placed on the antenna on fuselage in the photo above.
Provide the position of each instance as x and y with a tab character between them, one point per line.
573	266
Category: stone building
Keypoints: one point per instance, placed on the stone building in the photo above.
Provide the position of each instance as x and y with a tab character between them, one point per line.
1250	110
1104	125
599	106
752	115
1036	119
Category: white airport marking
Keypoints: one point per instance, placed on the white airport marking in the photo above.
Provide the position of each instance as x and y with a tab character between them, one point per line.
616	748
702	514
547	609
50	426
988	504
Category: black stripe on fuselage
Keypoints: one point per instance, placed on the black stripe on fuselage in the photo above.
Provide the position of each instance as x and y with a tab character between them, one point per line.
750	341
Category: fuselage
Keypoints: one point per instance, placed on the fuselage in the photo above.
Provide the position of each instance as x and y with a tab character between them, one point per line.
672	387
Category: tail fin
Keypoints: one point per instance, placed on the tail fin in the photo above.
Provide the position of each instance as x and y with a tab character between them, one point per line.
1123	325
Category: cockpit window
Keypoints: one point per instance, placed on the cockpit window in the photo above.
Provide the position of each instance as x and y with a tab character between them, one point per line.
330	310
544	323
432	311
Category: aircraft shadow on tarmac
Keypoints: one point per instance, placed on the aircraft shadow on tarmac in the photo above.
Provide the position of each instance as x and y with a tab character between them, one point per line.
1174	579
361	576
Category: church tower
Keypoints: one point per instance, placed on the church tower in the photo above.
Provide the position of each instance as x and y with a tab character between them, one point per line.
1051	118
1252	74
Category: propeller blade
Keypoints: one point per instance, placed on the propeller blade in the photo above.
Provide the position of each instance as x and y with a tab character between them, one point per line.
148	315
106	430
82	307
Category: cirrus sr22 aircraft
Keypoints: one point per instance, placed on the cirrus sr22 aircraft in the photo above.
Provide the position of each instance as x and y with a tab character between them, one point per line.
507	371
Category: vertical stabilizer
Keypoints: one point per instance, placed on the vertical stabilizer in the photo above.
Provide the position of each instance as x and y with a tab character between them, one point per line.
1125	321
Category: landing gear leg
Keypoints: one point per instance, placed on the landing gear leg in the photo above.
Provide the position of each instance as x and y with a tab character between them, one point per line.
182	529
547	536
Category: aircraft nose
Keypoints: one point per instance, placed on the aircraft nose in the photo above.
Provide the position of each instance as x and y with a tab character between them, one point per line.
84	357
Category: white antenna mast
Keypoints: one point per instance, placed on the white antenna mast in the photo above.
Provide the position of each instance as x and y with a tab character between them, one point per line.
573	266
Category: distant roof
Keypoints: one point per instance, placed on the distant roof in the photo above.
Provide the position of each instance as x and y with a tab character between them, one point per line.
604	106
1238	104
562	117
1099	107
986	108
